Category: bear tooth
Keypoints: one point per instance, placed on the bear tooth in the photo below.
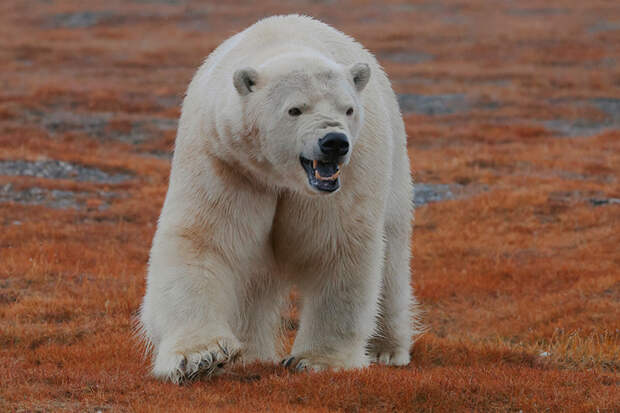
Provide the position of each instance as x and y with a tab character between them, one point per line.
329	178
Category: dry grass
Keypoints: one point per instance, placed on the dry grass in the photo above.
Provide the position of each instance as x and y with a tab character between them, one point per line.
519	276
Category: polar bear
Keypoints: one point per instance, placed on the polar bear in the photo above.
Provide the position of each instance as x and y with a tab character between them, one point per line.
290	168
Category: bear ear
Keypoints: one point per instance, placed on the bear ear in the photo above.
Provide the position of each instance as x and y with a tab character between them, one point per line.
244	80
361	74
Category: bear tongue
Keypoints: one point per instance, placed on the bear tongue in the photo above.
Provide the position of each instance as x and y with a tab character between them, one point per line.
327	170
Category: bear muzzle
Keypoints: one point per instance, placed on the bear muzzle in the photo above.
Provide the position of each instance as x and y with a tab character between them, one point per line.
323	173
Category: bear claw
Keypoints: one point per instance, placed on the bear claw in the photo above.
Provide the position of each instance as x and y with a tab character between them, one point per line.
204	363
299	364
287	361
295	363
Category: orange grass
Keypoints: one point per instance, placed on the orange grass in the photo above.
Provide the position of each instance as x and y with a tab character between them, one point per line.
518	278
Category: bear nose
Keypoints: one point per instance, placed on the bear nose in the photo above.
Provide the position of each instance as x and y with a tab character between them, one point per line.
334	144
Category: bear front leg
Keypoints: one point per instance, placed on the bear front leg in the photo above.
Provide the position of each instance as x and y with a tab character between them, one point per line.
187	312
210	252
338	312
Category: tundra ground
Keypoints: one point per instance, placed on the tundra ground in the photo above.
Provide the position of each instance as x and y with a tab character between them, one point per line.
513	117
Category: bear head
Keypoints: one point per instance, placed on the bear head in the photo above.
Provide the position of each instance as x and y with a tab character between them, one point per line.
306	113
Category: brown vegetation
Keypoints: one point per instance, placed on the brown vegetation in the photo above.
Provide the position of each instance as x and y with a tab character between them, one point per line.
514	105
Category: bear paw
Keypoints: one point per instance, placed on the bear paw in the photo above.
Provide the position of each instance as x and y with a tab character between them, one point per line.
321	361
210	360
303	363
390	358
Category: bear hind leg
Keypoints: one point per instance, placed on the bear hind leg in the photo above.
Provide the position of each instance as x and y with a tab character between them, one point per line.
260	325
396	322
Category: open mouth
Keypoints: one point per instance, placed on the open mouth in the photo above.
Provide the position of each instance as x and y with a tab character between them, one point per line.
322	175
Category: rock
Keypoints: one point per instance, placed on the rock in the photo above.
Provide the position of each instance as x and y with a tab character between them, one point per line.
80	19
427	193
584	126
52	198
433	104
53	169
411	57
604	201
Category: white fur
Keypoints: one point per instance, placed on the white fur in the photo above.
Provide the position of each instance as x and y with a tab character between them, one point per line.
240	223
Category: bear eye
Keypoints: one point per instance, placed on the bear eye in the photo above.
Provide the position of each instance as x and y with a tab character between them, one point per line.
294	111
349	111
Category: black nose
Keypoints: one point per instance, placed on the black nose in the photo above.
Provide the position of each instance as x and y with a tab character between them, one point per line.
334	144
